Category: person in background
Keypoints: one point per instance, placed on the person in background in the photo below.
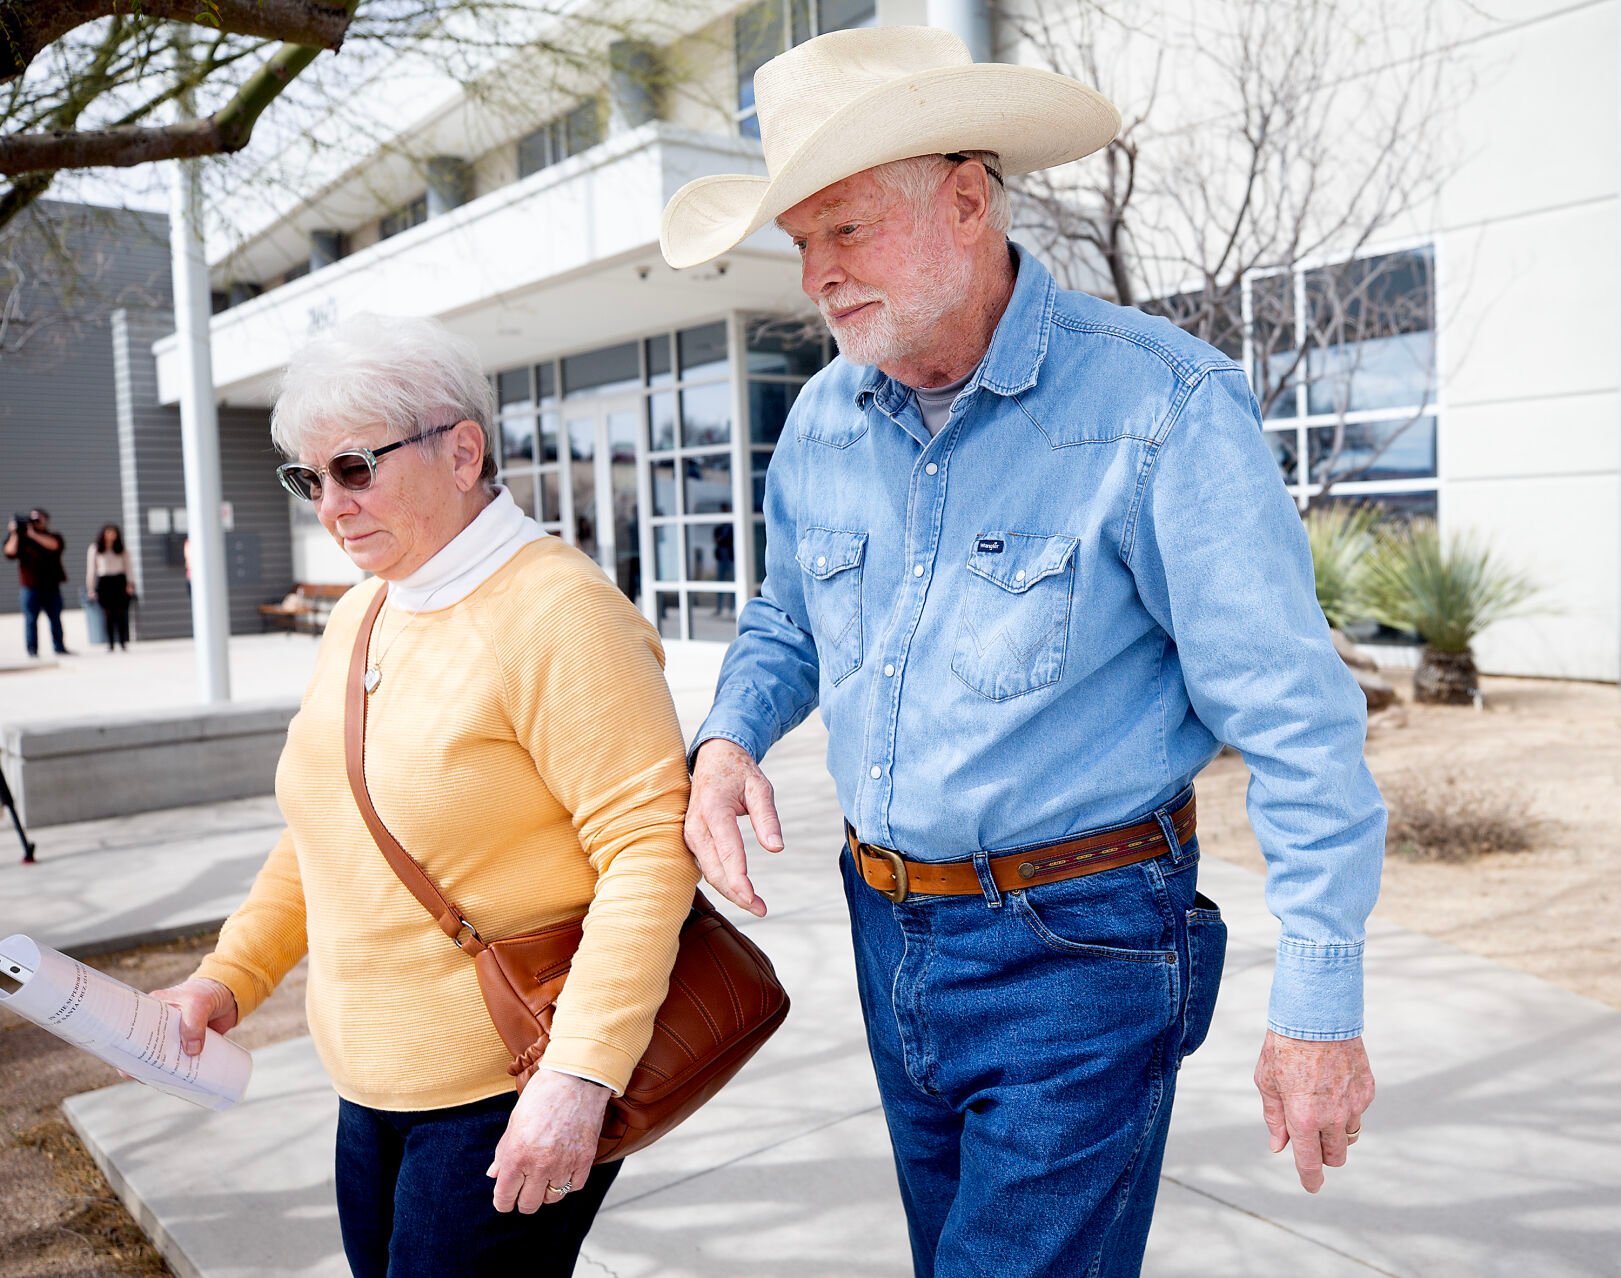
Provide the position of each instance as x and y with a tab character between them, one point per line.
109	582
38	552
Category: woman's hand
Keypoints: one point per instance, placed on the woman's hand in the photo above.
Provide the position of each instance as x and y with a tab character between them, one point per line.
550	1141
202	1002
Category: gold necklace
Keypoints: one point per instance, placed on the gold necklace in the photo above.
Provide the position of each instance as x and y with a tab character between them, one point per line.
374	671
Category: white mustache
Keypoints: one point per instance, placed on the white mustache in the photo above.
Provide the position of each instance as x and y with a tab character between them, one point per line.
843	302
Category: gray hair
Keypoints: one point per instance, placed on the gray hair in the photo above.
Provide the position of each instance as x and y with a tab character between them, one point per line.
409	374
919	176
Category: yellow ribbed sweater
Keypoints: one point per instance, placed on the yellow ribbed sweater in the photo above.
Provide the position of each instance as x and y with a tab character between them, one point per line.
524	748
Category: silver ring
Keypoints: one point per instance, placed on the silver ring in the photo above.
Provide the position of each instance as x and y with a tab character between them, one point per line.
560	1190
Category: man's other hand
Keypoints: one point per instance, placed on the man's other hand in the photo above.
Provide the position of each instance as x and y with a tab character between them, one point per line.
1313	1095
727	784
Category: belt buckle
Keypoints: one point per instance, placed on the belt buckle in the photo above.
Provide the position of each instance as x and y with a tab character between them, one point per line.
897	863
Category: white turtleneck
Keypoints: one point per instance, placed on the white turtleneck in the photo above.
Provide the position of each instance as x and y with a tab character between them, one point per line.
469	559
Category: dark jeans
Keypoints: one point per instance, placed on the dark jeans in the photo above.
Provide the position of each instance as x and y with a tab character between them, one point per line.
413	1199
35	601
1026	1045
112	593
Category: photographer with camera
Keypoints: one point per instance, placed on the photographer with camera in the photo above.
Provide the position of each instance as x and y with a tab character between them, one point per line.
38	552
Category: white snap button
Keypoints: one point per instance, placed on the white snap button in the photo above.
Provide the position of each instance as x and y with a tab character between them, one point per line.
917	570
821	561
889	670
1019	576
931	469
876	772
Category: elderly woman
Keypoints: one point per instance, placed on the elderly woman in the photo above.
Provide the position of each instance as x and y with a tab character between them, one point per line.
521	744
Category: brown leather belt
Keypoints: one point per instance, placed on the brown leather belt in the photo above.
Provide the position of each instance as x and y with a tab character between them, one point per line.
897	878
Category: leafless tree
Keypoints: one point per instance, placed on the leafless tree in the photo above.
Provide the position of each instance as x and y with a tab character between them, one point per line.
1307	134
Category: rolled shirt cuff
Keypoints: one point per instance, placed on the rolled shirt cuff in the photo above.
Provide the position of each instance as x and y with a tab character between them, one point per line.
1317	990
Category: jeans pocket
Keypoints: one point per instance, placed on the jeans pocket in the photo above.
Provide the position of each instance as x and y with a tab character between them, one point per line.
831	559
1013	623
1207	951
1113	915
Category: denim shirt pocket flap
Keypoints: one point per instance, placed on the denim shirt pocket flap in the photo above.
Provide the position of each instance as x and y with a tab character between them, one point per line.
1017	561
823	552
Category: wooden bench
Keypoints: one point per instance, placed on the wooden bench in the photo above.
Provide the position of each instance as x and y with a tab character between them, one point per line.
305	610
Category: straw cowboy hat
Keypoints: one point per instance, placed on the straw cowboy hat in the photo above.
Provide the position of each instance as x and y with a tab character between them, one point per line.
851	100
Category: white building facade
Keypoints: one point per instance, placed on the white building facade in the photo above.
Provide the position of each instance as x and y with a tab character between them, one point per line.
639	406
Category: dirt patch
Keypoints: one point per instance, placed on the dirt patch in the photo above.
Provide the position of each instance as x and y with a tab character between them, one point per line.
1549	749
60	1218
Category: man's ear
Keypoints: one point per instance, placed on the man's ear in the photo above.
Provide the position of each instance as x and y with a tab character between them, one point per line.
467	453
970	200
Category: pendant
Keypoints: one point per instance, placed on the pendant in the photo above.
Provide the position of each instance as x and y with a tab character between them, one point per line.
374	676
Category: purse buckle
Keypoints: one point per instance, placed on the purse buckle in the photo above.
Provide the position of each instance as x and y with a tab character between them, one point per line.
466	930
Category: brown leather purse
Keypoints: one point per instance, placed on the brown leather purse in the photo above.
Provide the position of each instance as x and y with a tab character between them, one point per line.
724	999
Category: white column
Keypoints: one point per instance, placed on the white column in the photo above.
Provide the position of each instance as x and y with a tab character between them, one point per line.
199	436
968	19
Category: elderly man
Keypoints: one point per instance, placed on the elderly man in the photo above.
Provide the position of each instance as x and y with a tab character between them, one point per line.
1032	557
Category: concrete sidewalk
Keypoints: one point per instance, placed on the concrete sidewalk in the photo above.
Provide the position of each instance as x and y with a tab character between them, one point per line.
1490	1150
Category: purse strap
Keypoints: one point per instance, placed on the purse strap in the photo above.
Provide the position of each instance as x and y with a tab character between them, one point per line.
444	911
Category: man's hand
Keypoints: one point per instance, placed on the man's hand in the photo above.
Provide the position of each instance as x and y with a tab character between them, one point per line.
1313	1096
727	784
550	1141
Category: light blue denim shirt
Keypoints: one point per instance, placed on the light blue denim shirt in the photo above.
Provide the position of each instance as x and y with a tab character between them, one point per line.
1048	618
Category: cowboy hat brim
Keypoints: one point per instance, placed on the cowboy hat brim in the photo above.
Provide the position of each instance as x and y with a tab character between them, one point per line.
1032	119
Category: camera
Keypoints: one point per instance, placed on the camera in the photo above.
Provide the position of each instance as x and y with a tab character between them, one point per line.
21	518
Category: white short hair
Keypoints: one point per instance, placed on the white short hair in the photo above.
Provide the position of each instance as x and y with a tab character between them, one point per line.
918	177
409	374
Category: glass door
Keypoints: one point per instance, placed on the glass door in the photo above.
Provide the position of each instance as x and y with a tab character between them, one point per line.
604	518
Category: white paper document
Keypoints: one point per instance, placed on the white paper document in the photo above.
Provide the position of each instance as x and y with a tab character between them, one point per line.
129	1030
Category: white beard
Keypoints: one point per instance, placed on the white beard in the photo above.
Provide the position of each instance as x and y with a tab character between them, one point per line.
893	330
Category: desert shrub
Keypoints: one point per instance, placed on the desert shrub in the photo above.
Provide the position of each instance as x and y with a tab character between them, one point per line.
1451	818
1340	535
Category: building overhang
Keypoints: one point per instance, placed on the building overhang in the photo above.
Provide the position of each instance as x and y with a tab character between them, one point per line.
564	260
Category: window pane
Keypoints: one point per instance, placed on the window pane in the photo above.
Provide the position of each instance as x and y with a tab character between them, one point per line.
518	438
768	409
522	488
1402	449
710	554
759	37
761	459
658	361
664	488
661	413
546	381
799	14
667	551
550	424
706	415
839	15
667	613
1385	372
512	386
1285	446
611	368
582	128
1274	341
783	346
759	553
708	486
1392	507
535	152
1215	316
703	350
551	503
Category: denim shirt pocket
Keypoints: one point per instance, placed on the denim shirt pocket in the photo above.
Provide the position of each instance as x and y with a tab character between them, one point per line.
831	559
1013	622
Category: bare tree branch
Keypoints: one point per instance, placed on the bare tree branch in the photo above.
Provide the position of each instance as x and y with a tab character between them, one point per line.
29	26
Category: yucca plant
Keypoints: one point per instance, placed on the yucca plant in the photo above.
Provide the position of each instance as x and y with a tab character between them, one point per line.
1340	535
1448	593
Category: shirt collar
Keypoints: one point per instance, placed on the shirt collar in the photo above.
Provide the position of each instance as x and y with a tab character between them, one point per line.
468	559
1018	346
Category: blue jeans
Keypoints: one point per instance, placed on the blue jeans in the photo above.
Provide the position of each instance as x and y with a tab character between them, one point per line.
414	1202
1026	1046
35	601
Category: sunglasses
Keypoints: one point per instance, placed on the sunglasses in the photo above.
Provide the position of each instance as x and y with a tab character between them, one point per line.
354	468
